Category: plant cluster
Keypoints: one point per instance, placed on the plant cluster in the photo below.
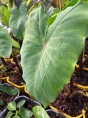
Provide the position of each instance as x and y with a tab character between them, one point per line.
50	40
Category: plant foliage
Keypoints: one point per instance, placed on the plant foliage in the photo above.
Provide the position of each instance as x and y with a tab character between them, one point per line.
49	54
18	19
5	43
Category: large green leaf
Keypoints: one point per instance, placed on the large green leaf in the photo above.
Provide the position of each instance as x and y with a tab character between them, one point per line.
5	43
18	19
49	57
40	112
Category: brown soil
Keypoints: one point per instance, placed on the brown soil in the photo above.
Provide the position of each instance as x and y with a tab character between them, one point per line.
54	115
86	46
16	79
72	107
6	99
83	79
86	115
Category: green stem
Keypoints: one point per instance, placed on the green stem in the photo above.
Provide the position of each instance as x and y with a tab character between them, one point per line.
77	93
17	64
67	90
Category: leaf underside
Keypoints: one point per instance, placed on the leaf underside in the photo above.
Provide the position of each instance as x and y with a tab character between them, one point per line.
49	54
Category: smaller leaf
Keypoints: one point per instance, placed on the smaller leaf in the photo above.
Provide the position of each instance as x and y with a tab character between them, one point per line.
8	90
5	43
9	114
11	106
53	17
15	43
39	112
4	68
16	116
71	3
14	51
21	103
1	102
18	19
41	3
25	113
50	11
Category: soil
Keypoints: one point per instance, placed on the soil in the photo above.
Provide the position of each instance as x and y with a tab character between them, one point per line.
13	77
86	46
64	104
86	115
16	79
83	79
54	115
6	98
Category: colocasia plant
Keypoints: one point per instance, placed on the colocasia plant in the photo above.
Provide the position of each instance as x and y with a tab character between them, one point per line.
49	54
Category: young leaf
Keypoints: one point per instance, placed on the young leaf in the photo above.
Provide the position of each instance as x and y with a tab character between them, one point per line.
11	106
1	102
15	43
53	17
5	15
48	60
4	68
8	90
21	103
9	114
25	113
18	19
5	43
16	116
39	112
71	3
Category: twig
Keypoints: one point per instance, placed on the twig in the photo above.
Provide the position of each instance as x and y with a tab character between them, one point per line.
11	72
17	64
75	93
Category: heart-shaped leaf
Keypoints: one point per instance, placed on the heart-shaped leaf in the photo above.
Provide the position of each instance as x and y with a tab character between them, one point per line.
12	106
25	113
5	43
49	56
18	19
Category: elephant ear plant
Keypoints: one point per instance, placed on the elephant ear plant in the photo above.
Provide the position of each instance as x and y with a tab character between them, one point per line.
49	54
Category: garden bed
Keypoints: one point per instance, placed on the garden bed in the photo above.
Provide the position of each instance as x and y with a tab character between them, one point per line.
72	107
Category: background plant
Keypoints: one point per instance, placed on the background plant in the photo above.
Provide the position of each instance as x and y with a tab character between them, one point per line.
18	110
7	90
